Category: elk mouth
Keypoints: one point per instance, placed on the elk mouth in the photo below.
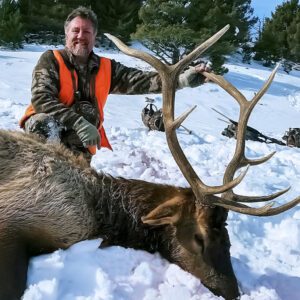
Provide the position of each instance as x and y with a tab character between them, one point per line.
222	285
218	276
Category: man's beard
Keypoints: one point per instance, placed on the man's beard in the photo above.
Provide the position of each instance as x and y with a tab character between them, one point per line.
80	50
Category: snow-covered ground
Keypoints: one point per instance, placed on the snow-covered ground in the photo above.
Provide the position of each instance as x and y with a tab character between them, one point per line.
265	251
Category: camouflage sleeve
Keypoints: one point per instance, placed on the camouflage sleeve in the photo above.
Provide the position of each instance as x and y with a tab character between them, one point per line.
45	89
127	80
132	81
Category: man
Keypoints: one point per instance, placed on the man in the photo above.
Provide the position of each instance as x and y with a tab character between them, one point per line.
70	87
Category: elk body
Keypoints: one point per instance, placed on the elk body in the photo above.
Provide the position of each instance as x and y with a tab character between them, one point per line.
50	199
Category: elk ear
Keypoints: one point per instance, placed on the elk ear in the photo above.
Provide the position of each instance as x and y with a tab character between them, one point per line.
167	213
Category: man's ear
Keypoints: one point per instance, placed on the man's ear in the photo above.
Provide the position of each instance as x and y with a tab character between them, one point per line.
167	213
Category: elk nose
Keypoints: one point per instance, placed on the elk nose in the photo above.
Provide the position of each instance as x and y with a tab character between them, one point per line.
226	288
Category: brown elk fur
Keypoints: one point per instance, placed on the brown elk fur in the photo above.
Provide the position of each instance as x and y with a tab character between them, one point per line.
50	199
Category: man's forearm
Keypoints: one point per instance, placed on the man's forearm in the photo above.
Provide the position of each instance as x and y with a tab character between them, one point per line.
133	81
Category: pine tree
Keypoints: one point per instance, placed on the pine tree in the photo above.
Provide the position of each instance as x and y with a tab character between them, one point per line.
45	18
179	25
207	17
164	30
279	39
265	48
293	38
43	15
11	28
118	17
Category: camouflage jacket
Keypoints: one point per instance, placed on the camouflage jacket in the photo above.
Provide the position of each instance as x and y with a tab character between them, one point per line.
45	84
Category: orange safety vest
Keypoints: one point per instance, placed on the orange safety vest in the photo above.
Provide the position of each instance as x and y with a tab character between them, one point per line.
67	90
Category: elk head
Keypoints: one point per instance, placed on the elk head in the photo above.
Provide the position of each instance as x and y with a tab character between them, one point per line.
198	216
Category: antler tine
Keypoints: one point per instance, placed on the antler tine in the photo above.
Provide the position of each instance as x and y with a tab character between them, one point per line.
227	86
264	211
257	161
150	59
253	199
179	120
200	49
265	87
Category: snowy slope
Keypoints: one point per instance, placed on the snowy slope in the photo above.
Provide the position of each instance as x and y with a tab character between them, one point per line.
265	251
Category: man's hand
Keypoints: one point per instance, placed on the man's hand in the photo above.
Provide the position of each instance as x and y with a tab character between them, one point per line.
192	77
87	133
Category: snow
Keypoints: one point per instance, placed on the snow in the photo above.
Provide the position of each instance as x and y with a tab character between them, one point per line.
265	251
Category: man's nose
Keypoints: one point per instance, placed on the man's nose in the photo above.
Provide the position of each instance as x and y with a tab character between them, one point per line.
80	34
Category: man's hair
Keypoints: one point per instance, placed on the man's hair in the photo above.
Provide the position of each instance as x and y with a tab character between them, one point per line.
84	13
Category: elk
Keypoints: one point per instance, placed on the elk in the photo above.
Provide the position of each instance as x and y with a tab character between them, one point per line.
51	199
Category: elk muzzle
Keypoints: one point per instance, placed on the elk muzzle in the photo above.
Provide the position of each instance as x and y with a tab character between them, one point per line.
219	280
223	285
217	271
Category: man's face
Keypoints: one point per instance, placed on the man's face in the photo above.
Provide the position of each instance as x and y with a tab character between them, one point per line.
80	37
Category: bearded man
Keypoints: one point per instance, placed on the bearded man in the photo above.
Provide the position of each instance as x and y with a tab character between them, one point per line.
70	87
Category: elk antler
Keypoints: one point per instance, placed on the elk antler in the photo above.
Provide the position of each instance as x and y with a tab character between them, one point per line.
239	159
205	194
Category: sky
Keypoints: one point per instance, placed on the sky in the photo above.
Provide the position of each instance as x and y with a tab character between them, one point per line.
263	8
264	252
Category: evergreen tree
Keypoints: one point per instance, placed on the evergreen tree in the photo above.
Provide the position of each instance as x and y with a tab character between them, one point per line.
293	38
11	28
46	17
179	25
279	39
165	30
265	48
43	15
117	17
207	17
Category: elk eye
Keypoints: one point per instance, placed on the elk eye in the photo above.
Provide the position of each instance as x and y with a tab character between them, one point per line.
199	240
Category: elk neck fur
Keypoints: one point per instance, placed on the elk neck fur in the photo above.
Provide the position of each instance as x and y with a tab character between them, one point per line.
89	204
